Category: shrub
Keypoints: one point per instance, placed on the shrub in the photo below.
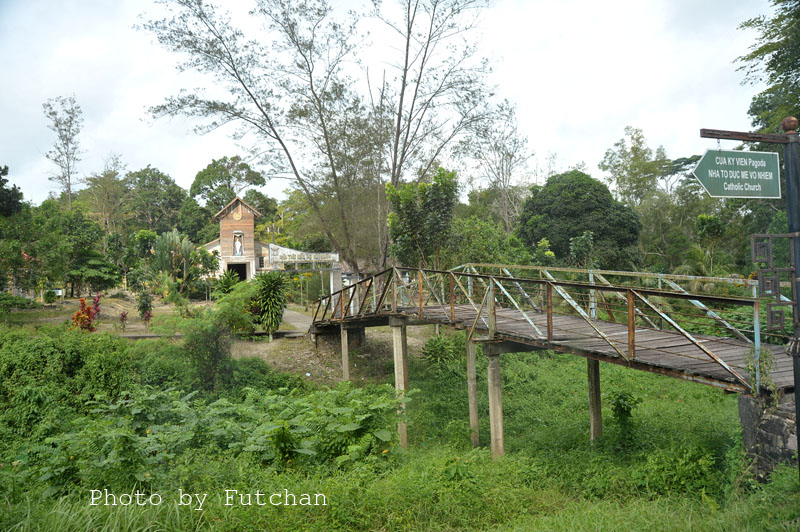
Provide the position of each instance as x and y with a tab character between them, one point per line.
9	302
83	319
439	350
49	296
235	312
682	470
96	305
144	304
622	405
40	375
270	300
224	284
207	344
162	364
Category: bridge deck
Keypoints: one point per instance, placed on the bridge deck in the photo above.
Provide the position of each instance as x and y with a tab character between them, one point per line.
659	351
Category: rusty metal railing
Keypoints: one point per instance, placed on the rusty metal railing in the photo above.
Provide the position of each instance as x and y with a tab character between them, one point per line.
503	306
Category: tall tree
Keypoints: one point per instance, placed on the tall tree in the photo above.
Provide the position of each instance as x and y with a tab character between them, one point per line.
293	92
224	179
774	59
196	222
420	222
10	196
155	199
634	170
267	206
66	120
106	195
574	202
501	153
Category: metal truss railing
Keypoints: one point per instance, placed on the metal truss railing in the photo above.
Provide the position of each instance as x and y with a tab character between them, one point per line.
504	306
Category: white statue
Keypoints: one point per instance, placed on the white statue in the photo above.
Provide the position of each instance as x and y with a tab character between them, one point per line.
237	245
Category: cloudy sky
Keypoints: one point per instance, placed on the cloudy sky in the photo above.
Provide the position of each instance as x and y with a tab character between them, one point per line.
579	71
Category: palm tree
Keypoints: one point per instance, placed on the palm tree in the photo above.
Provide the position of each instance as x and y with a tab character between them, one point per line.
699	262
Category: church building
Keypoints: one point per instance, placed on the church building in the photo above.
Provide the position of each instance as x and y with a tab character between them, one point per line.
240	251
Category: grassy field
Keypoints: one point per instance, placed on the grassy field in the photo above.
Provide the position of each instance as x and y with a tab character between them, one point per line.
677	464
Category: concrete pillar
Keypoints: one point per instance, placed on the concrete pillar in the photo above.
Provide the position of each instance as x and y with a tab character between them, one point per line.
472	394
400	347
595	405
495	406
336	280
345	353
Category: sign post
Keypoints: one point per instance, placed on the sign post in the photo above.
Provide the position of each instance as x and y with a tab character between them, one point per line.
791	140
739	174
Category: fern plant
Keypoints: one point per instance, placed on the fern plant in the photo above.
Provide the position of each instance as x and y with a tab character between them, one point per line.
270	300
224	284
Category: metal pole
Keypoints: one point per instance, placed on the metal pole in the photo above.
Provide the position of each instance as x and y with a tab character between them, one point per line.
791	157
757	336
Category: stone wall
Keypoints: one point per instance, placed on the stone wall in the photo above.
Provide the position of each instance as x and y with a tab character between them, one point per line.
768	431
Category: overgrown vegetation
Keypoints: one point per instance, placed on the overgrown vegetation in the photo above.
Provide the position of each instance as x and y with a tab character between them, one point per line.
85	411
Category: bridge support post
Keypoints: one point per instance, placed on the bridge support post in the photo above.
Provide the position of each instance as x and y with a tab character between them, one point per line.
595	410
472	394
400	345
345	353
495	405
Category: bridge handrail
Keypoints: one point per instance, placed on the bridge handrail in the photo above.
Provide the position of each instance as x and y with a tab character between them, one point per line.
419	289
736	281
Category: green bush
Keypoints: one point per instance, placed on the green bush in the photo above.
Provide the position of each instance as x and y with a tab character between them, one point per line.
224	284
687	470
235	311
270	299
162	364
49	296
67	369
137	440
9	302
144	304
441	349
207	344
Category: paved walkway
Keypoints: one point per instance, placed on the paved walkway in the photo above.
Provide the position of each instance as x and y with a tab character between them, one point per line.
299	321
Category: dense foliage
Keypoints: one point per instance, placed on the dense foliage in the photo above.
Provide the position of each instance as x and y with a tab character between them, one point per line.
81	410
420	222
573	202
270	299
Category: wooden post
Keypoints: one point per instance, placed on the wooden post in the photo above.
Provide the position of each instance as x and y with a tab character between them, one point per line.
472	394
490	310
400	345
452	299
419	286
495	406
631	327
345	353
549	312
595	410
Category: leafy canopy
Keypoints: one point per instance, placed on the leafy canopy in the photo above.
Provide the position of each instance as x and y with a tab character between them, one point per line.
573	202
420	223
223	179
774	59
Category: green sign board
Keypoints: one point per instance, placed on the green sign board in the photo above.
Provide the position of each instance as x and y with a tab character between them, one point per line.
739	174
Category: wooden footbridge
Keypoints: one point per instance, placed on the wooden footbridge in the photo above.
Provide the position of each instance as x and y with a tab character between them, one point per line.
701	329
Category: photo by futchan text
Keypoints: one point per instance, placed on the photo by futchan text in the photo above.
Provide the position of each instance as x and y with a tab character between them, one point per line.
195	501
